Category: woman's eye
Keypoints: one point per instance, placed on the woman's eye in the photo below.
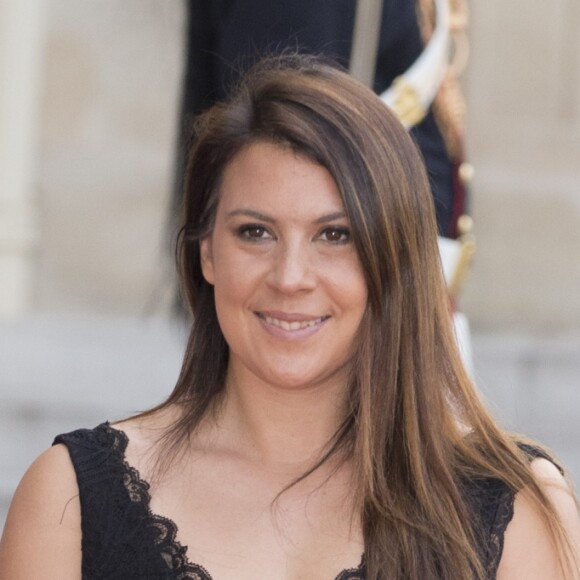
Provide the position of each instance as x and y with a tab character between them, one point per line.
336	235
253	232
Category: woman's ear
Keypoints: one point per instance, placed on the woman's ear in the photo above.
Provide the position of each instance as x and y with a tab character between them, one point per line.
205	251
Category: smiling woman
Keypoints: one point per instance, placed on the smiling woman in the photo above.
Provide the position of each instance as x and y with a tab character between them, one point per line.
323	425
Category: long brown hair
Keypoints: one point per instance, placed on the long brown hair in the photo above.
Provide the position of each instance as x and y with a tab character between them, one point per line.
415	428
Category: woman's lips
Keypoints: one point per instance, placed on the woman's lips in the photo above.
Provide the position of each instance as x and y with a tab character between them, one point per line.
291	325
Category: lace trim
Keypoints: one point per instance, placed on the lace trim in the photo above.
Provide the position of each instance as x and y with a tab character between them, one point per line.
504	515
505	512
358	573
172	551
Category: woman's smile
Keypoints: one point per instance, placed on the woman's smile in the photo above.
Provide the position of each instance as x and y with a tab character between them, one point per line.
291	326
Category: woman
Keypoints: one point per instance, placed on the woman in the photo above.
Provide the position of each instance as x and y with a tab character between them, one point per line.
322	411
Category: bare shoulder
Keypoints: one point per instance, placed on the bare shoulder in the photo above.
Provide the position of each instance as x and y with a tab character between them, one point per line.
528	550
42	535
143	433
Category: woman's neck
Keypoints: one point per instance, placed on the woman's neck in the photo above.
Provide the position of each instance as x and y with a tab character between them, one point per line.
285	428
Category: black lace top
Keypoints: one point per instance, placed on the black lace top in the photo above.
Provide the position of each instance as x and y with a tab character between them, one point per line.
123	540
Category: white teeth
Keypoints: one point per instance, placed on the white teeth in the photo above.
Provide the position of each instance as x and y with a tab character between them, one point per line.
295	325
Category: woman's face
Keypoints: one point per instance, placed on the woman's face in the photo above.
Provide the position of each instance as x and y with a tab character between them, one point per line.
289	289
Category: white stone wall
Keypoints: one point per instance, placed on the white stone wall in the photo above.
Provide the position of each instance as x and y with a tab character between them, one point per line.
523	89
110	101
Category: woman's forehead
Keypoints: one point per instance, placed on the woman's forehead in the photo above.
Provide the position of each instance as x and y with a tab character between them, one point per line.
277	180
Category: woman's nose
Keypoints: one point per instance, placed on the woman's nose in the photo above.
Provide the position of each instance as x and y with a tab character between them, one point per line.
292	269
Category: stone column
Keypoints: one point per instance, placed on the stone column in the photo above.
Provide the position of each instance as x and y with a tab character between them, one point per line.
21	41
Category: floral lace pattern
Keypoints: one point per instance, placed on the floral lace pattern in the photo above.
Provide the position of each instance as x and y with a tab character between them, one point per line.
491	503
130	526
122	539
504	515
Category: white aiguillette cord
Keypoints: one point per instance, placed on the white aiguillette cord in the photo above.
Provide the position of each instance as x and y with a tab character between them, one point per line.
411	94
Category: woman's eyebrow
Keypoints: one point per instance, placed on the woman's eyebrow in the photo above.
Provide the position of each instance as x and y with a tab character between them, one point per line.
251	213
330	217
266	218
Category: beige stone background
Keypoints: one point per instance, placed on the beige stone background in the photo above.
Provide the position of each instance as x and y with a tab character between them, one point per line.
523	90
88	337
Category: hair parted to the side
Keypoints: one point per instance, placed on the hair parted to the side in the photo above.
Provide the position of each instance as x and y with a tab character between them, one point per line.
415	427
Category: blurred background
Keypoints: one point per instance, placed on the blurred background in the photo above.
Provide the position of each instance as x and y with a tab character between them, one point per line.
89	99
